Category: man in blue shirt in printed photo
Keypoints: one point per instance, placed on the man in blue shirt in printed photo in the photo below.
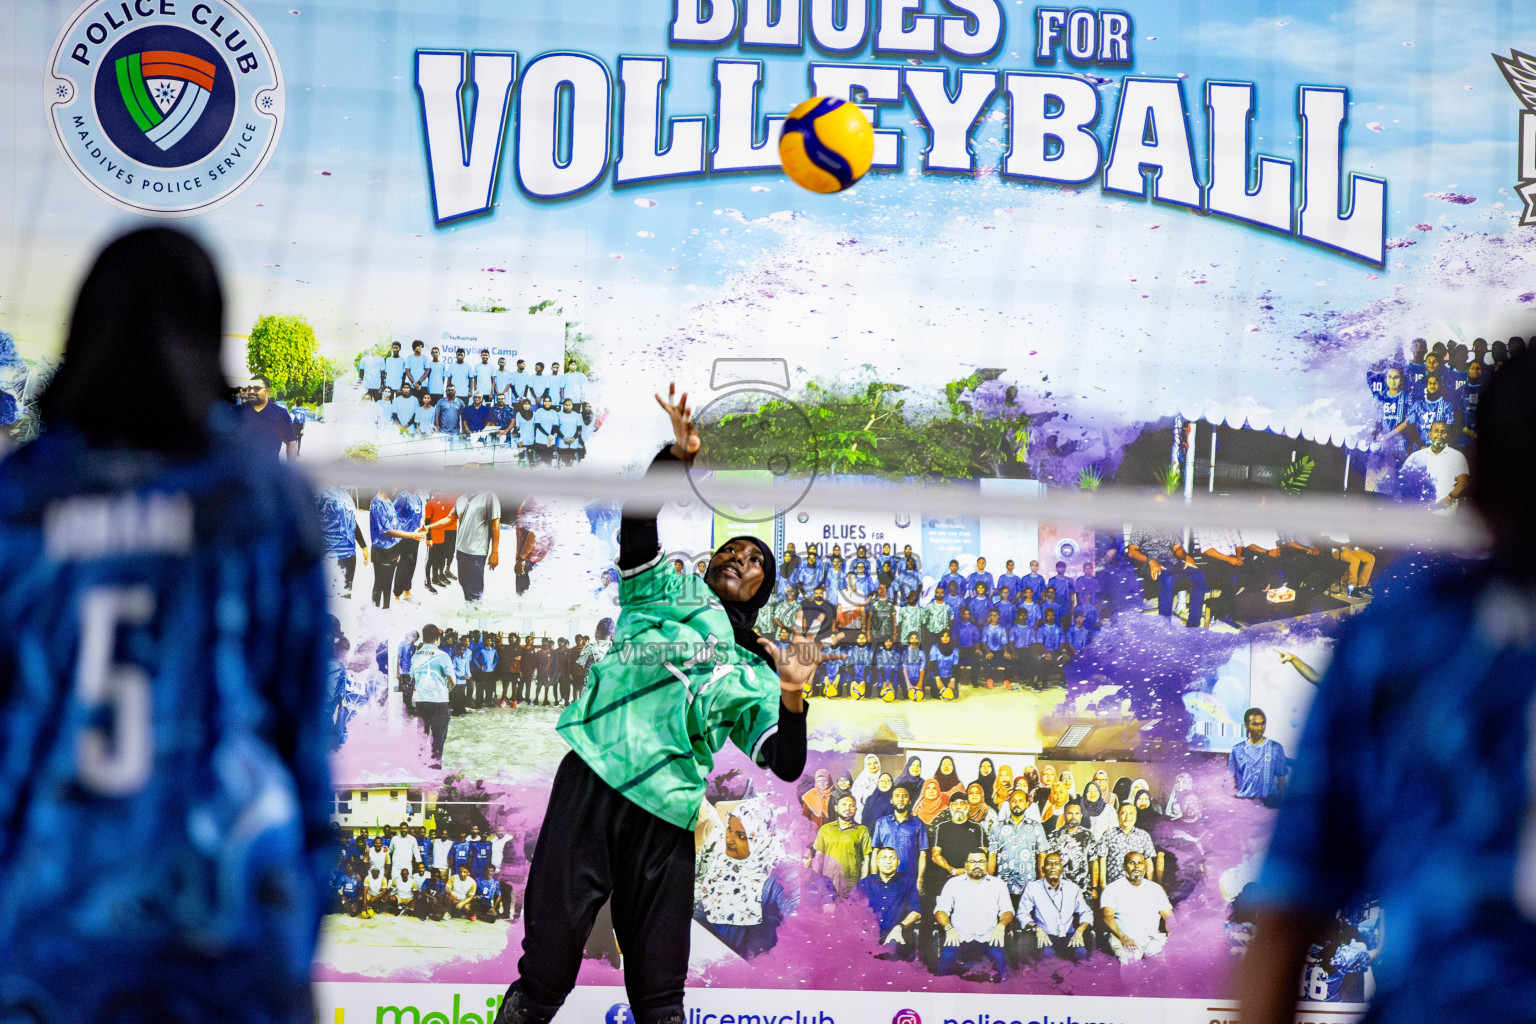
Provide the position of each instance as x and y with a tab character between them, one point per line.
1434	407
394	367
416	368
906	834
269	420
487	895
538	385
1009	579
459	856
1055	914
405	411
479	852
501	379
1415	372
350	891
520	382
1033	580
477	417
1086	589
894	901
1476	374
979	576
486	658
1005	607
448	415
460	374
371	372
501	422
433	678
556	385
979	602
343	533
575	386
410	511
437	374
1063	584
1258	765
404	653
1079	634
481	375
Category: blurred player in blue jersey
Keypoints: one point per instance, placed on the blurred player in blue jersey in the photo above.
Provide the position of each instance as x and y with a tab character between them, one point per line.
1453	865
162	679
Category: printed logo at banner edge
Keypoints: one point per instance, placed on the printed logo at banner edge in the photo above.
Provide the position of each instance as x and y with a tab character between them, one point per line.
215	174
1519	70
906	1017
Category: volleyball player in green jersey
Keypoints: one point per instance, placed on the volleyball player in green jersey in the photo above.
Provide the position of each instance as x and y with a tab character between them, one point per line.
686	673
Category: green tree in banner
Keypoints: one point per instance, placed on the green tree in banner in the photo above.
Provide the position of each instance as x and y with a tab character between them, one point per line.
868	428
283	349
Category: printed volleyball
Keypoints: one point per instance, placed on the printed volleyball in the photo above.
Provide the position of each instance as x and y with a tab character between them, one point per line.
827	144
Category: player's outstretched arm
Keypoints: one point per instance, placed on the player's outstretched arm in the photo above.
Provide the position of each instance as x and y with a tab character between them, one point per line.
639	543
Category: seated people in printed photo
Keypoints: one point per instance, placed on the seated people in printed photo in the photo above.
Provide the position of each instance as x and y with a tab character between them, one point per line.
488	903
1136	912
374	888
463	891
432	896
1439	474
974	910
1055	915
895	904
1118	842
352	900
953	838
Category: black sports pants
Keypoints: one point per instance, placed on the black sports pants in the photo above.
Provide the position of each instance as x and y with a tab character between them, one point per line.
385	560
595	843
405	571
434	716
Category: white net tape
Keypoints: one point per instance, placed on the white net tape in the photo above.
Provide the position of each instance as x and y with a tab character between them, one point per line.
1362	520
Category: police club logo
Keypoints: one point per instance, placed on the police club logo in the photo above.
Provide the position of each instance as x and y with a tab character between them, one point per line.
165	107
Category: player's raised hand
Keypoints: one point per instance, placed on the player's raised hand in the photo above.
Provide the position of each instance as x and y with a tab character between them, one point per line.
797	660
685	433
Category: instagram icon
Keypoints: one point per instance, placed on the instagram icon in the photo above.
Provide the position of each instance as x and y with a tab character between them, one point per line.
906	1017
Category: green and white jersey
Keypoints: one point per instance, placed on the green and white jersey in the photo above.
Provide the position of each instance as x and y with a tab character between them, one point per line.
669	694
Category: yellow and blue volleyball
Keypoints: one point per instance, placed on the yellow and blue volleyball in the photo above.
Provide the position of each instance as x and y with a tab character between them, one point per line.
827	144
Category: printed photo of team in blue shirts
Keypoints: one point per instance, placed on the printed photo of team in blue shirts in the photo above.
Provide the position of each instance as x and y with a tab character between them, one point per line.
543	418
1426	417
422	873
908	637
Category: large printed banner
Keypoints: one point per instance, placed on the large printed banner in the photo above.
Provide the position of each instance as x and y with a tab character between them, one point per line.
1121	246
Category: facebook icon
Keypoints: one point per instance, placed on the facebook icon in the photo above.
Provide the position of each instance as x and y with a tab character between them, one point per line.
619	1013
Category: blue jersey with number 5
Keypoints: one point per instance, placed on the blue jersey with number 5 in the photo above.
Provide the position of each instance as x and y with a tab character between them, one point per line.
163	781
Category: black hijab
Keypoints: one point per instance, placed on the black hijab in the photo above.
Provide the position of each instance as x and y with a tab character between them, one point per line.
878	804
910	780
988	781
744	613
147	328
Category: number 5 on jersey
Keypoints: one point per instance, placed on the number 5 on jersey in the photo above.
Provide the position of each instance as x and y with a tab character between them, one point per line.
118	761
